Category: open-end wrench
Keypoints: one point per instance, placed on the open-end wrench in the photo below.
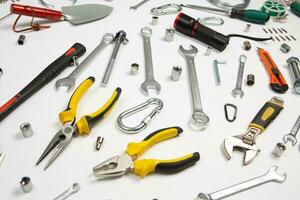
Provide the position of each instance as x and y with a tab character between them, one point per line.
199	118
270	176
73	189
238	88
139	4
291	137
119	39
69	81
150	82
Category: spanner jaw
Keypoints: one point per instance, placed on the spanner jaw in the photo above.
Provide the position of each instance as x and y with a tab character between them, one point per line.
236	143
203	196
290	138
150	85
69	82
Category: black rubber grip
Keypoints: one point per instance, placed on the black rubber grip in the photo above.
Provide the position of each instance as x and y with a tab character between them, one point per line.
266	114
47	75
174	167
179	131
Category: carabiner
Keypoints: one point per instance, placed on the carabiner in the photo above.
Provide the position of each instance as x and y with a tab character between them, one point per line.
235	109
143	124
167	9
215	21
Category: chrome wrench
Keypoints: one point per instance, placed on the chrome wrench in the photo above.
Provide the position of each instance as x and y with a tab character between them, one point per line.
139	4
238	88
270	176
69	81
150	82
73	189
292	135
199	118
120	39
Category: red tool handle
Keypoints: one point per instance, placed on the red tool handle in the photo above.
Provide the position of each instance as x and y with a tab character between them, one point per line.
36	12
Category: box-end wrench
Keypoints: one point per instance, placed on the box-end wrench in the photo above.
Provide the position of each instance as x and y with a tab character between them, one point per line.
291	137
73	189
69	81
270	176
150	82
238	88
119	39
199	118
139	4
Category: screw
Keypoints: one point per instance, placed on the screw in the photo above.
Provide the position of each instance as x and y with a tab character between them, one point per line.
293	65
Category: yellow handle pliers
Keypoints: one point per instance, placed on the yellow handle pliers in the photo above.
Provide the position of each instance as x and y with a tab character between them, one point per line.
83	126
127	162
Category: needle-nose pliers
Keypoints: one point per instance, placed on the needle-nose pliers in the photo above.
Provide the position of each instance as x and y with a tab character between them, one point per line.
127	162
71	128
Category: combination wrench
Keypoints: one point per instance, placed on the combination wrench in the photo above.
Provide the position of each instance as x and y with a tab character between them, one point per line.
150	82
139	4
119	39
69	81
199	118
270	176
291	137
238	88
73	189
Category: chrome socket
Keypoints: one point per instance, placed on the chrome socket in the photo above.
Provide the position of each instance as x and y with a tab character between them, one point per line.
26	129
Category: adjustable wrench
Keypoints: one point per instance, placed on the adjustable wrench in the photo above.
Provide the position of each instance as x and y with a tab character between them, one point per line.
238	88
270	176
120	39
69	81
150	82
199	118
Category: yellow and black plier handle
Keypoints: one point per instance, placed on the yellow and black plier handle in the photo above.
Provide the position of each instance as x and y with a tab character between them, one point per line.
145	166
86	122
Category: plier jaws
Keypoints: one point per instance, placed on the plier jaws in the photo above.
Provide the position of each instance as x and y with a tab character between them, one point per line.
114	167
128	162
83	126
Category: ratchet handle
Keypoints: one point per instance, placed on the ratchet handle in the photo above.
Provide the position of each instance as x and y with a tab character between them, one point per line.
267	113
36	12
48	74
252	16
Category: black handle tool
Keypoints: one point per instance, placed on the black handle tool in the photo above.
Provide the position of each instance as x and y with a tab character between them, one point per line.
47	75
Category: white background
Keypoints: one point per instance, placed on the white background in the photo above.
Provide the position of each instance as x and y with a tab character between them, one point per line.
213	172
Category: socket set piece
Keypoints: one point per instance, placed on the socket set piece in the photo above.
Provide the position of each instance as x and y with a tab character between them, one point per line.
279	149
21	39
134	70
246	45
250	79
285	48
99	142
154	20
26	184
176	72
169	35
26	129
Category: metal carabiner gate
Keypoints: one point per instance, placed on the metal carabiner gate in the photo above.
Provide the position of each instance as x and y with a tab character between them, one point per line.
143	124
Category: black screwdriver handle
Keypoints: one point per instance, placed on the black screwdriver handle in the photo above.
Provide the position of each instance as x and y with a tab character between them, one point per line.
47	75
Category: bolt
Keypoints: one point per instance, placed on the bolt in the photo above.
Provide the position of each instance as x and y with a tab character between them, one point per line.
293	65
